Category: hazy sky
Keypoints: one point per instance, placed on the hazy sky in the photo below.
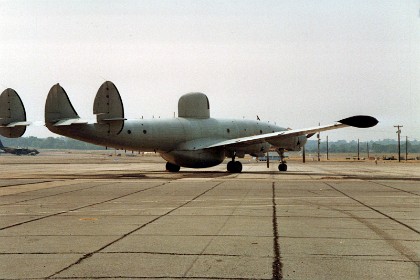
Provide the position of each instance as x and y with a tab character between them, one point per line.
295	63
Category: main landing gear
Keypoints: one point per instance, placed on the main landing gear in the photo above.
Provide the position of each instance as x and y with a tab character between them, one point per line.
282	165
172	167
234	166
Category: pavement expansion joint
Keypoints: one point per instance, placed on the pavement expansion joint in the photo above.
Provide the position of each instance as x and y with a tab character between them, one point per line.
328	220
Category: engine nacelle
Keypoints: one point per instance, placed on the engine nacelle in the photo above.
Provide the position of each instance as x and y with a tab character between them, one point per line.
290	144
259	149
195	159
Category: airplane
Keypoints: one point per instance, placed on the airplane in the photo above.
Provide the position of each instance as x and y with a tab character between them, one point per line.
18	151
193	139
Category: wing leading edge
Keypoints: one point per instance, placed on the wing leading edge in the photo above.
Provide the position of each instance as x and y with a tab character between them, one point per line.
355	121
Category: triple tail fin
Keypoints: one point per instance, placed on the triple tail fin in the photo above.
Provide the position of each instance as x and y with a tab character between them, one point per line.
108	108
12	114
58	109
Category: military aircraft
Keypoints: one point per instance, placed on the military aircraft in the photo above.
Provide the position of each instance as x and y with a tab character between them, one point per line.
193	139
18	151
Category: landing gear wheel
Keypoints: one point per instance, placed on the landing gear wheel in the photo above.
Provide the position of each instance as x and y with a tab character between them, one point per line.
238	167
172	167
234	166
230	166
282	167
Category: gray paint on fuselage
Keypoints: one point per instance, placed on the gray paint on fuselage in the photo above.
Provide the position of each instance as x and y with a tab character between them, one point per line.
164	135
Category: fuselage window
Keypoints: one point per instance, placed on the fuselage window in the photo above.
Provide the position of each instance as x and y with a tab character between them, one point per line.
129	131
228	130
144	131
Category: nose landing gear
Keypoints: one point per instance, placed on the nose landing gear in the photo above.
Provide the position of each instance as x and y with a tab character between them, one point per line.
282	167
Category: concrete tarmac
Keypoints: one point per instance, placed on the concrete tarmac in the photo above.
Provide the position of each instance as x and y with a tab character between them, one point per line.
68	216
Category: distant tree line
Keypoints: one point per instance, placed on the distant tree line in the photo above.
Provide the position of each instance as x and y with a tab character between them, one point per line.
380	146
49	143
340	146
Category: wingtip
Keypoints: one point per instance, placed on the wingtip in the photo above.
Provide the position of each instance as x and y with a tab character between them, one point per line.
360	121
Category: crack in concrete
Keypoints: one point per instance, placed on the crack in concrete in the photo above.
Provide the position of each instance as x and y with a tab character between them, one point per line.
41	197
406	252
28	183
277	263
86	256
381	184
75	209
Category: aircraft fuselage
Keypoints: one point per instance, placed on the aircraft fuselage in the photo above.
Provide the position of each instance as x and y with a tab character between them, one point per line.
178	140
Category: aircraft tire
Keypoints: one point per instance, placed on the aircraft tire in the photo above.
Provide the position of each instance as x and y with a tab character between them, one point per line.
230	166
234	167
282	167
238	167
172	167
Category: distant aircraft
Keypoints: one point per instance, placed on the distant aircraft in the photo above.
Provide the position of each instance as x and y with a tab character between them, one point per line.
194	139
18	151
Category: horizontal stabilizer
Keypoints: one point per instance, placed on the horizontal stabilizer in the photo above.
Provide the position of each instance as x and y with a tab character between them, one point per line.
114	119
14	124
12	114
70	122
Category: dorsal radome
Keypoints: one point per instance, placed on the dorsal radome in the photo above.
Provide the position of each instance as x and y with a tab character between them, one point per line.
194	105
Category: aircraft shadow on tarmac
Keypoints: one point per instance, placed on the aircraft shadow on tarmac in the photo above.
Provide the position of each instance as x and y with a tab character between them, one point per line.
205	174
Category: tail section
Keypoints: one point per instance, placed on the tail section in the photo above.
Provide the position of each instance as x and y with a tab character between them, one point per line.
12	114
58	107
108	108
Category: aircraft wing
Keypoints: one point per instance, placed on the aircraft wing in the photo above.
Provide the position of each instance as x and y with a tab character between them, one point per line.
355	121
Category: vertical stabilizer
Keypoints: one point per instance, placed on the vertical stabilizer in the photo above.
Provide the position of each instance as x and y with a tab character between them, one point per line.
108	108
58	106
12	114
